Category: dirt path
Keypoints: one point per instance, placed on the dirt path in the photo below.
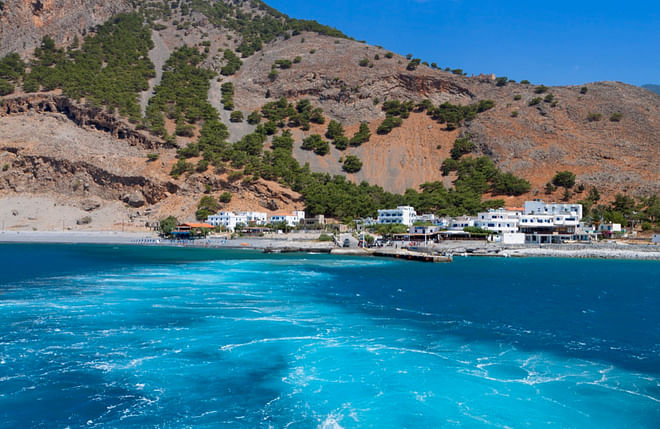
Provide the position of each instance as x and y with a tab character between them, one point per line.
158	55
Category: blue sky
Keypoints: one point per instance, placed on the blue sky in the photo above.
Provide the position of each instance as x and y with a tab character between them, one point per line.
552	42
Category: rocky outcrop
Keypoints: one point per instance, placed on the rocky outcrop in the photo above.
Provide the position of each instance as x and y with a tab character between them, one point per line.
23	23
40	174
83	115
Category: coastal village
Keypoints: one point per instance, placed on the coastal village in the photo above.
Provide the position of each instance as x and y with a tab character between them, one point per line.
536	222
403	233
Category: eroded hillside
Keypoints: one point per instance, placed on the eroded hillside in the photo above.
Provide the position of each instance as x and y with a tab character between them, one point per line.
607	133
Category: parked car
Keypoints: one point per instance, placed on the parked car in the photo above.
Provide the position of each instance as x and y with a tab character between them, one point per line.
347	242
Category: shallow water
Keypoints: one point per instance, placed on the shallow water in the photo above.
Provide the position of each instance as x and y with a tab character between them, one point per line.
129	336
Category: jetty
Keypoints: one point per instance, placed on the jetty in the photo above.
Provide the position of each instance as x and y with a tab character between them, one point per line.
403	254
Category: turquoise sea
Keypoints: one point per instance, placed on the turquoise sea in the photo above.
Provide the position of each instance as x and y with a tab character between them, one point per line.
167	337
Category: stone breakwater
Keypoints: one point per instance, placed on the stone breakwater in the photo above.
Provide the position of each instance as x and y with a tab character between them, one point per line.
595	250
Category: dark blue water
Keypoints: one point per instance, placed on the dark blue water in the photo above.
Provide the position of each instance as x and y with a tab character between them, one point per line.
128	336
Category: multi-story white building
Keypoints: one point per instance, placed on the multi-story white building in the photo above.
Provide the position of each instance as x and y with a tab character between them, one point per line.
501	221
290	219
403	214
541	208
227	219
550	223
256	218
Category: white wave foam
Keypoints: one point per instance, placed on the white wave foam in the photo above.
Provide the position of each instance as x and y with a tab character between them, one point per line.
230	347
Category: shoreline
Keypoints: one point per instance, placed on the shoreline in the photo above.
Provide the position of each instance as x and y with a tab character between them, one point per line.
289	245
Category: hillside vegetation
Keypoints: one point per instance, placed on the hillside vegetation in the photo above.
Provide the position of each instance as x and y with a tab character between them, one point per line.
304	105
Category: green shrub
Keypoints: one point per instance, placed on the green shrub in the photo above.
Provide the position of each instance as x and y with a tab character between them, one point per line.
534	101
6	87
236	116
225	197
517	97
341	143
283	64
5	167
583	90
272	75
616	117
297	59
206	207
594	117
540	89
388	124
285	141
180	168
565	179
233	63
364	62
362	135
30	85
352	164
462	146
514	114
152	156
335	130
254	118
325	237
524	82
508	184
389	55
316	143
413	64
168	224
202	165
12	67
501	81
549	98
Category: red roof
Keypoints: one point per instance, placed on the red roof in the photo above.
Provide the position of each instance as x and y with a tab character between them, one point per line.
197	225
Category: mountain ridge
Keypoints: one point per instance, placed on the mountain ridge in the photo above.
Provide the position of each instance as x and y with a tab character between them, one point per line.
615	153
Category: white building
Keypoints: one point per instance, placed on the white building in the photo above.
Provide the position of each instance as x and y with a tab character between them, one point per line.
429	217
256	218
290	219
550	223
227	219
655	239
607	229
541	208
458	223
403	214
419	229
500	221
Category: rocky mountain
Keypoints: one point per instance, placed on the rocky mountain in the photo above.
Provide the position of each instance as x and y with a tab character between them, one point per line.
652	87
93	123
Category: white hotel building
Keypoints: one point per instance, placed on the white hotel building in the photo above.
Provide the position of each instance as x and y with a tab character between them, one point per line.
550	223
290	219
255	218
227	219
500	221
405	215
